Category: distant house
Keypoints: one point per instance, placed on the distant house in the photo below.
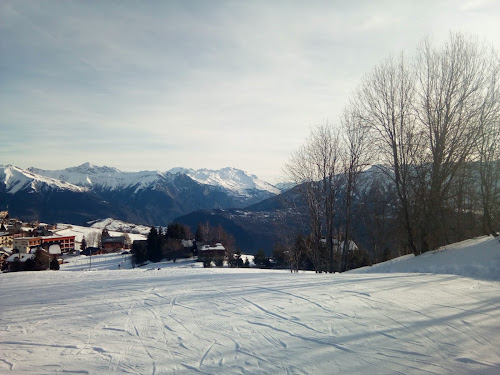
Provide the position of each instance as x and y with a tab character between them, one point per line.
339	245
187	244
91	251
19	259
111	244
6	239
4	254
211	251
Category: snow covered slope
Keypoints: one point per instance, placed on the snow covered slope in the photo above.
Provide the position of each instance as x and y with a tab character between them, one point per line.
120	226
232	179
90	232
185	320
18	179
477	258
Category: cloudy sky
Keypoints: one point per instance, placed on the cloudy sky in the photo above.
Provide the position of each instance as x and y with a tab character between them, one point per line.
198	84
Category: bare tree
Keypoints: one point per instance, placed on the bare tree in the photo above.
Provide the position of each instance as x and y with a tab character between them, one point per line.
356	158
93	238
489	150
451	88
127	241
385	105
315	167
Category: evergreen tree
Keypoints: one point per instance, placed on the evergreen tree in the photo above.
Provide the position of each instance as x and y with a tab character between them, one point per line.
219	261
154	251
105	234
260	258
207	263
177	231
201	234
83	246
139	253
280	255
16	265
41	261
238	262
54	264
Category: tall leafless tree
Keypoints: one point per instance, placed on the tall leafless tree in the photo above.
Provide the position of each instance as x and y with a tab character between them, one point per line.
315	167
488	149
385	102
451	88
355	134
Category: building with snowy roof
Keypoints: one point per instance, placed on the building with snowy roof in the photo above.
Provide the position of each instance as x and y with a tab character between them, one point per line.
110	244
211	251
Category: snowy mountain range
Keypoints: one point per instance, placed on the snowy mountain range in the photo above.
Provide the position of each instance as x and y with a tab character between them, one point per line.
90	176
16	179
231	179
89	192
106	178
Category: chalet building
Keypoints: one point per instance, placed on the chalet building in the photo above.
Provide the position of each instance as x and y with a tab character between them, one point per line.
91	251
211	252
22	258
111	244
4	254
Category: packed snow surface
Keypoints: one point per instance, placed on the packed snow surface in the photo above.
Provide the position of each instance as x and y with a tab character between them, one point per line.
179	318
479	258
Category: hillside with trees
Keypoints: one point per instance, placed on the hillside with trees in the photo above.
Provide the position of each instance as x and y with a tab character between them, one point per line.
431	122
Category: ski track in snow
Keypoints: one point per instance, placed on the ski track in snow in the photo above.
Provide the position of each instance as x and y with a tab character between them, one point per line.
185	321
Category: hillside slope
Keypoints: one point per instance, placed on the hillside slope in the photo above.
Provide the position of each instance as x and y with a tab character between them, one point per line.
168	318
477	258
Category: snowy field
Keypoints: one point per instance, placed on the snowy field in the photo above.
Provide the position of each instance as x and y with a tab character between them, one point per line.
79	232
183	319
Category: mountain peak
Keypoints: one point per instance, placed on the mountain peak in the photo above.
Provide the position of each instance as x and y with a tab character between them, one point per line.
88	167
229	178
17	179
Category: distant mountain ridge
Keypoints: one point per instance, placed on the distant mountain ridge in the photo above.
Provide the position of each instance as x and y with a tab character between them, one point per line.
105	178
90	192
18	179
230	178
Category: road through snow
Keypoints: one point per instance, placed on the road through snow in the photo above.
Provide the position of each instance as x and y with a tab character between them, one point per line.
230	321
